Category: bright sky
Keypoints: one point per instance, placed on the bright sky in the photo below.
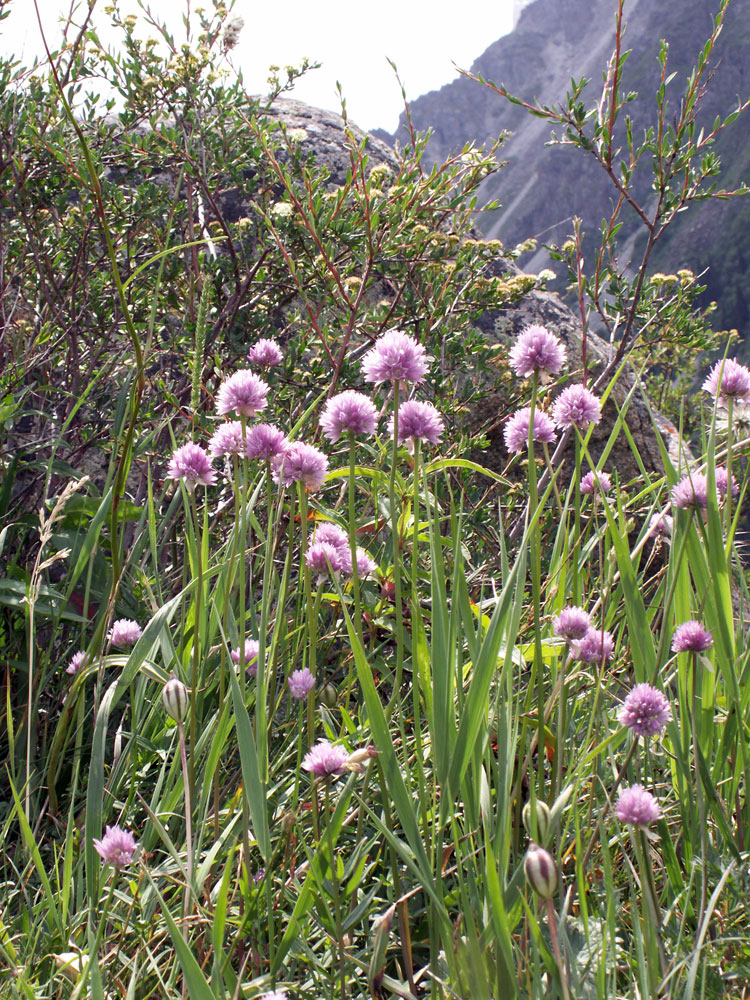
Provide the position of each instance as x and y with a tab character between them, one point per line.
351	39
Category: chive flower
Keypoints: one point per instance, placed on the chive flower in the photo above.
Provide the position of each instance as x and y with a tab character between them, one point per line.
637	807
516	431
396	357
243	392
578	407
191	464
537	351
645	711
349	412
116	847
691	637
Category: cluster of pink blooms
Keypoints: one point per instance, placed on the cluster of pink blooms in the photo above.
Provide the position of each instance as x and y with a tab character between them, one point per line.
117	847
541	354
728	380
691	492
330	551
124	633
589	644
252	648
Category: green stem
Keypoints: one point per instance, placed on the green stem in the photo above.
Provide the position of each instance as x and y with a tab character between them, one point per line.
396	537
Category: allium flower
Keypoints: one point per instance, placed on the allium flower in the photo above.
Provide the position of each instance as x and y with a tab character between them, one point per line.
418	422
300	463
571	623
116	846
637	807
660	525
348	412
301	683
595	482
740	420
244	392
691	491
540	870
365	565
191	464
516	432
537	351
577	407
645	710
691	637
274	994
728	379
595	646
331	533
78	660
226	440
264	441
396	357
124	632
266	353
322	558
722	477
325	759
252	648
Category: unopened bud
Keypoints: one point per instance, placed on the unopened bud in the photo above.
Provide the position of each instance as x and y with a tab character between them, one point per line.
541	873
175	699
542	820
329	695
359	757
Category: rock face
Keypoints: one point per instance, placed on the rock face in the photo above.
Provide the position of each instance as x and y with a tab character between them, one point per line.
543	187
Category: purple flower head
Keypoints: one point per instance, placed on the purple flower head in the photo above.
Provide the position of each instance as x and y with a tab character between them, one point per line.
116	846
595	482
252	648
191	464
264	354
595	646
691	637
660	525
537	350
728	379
571	623
226	440
637	807
274	994
329	532
577	407
300	463
124	633
325	759
348	412
396	357
645	710
244	392
516	432
77	661
418	422
691	492
264	441
323	558
301	683
365	565
722	478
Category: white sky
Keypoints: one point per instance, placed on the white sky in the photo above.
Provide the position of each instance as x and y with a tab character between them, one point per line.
351	39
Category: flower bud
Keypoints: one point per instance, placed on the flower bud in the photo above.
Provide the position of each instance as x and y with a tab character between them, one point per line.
175	699
329	696
541	873
542	820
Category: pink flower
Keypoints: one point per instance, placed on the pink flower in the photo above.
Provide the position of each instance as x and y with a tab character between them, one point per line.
691	492
226	440
728	380
264	354
322	558
124	632
537	351
571	623
418	422
596	482
577	407
78	660
396	357
637	807
722	478
191	464
645	711
660	525
116	846
301	683
265	442
325	759
595	646
691	637
244	392
348	413
516	432
252	648
365	564
331	533
300	463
